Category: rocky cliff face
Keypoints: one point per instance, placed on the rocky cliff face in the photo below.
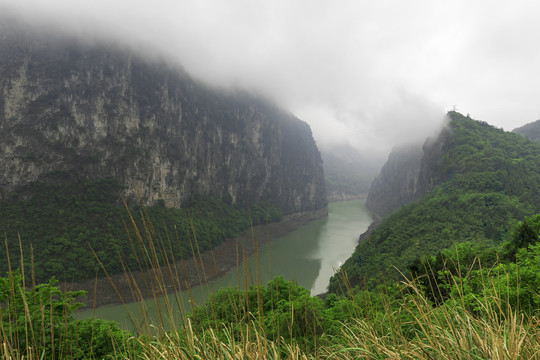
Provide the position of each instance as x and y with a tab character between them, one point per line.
92	111
408	175
397	183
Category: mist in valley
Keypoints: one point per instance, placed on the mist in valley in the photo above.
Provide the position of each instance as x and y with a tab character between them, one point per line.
367	75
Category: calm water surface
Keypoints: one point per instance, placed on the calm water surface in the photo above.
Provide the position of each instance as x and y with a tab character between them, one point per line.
307	255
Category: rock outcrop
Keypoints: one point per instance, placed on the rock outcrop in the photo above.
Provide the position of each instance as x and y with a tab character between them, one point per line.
93	111
410	172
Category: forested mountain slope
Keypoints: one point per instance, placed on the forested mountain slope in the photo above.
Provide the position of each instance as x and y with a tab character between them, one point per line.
83	123
483	181
531	131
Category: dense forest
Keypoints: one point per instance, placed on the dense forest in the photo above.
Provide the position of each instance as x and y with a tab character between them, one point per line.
459	266
483	298
76	219
486	182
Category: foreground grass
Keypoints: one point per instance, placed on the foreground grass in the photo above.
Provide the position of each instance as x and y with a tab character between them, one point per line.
392	326
444	332
281	320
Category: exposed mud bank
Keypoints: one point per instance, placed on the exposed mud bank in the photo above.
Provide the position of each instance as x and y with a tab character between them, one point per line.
188	273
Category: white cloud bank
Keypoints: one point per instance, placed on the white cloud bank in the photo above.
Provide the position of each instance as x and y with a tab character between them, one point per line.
371	73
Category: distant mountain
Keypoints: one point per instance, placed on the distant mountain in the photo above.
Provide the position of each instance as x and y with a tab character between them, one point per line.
348	173
397	183
406	176
531	131
474	183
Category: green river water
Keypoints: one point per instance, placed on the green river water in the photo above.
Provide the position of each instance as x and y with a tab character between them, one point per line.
307	255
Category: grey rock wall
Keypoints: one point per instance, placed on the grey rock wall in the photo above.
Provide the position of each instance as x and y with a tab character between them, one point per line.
94	111
408	175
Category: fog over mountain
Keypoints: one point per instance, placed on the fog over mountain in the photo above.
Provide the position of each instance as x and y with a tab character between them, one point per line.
373	74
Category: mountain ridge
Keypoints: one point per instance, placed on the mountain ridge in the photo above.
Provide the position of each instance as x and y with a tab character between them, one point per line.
530	131
85	125
479	181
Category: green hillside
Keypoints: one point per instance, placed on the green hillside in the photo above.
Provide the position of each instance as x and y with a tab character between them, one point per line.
60	220
480	293
531	131
486	181
491	311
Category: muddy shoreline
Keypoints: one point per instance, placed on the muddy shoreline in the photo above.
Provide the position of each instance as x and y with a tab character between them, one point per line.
125	288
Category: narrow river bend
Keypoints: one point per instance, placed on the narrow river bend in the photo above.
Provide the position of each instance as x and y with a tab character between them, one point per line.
307	255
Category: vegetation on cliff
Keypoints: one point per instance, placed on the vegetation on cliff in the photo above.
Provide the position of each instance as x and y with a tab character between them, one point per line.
478	294
98	111
485	182
60	222
530	131
83	122
461	265
397	182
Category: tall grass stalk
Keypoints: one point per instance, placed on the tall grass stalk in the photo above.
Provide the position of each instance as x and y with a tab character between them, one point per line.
397	323
208	345
448	331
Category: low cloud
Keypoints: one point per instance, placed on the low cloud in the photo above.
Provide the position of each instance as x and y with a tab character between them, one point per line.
374	74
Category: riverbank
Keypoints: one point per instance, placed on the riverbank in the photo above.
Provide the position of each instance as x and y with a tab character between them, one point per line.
185	274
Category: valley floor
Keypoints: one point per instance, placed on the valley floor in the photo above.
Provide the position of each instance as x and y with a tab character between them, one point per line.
189	273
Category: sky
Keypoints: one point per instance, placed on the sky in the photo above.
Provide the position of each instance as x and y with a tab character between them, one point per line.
374	74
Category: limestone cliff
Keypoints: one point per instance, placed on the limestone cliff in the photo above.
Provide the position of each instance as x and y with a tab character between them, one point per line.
408	175
94	111
397	182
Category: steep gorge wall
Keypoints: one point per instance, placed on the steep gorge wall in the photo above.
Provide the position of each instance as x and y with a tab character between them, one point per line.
92	111
397	182
408	175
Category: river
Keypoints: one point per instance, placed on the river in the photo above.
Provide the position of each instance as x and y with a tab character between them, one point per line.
308	255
